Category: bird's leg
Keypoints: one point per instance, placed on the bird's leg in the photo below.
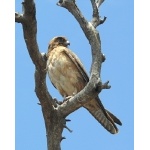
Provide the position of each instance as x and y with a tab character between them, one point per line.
67	98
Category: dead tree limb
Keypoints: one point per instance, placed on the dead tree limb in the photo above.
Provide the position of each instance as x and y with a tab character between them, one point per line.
53	123
54	113
93	37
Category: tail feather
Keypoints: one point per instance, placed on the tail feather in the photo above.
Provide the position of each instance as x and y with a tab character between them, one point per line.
103	116
115	119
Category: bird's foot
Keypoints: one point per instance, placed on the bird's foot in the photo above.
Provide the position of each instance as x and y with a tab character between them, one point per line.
67	98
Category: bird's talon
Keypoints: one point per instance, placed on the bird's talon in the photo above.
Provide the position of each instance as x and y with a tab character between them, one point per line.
67	98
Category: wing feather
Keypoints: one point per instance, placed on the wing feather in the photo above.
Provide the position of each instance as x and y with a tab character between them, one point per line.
77	63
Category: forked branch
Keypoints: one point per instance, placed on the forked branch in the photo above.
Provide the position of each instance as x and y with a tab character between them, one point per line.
53	112
89	29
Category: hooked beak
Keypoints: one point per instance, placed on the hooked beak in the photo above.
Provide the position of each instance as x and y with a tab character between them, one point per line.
67	43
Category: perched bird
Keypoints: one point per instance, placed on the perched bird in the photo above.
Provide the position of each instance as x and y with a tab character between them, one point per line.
69	77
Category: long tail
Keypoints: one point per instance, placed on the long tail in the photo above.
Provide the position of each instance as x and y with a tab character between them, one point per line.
103	116
114	118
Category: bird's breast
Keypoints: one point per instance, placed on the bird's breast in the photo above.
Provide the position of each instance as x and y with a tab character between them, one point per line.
64	74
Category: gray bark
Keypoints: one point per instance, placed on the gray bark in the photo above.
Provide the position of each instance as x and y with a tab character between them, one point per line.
54	114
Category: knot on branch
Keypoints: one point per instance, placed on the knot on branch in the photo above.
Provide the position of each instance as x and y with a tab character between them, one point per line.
103	58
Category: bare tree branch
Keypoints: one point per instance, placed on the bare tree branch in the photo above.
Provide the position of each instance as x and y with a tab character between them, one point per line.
30	30
95	13
54	113
99	2
53	122
96	18
30	33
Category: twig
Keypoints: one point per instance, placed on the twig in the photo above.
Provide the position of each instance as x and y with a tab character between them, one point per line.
19	17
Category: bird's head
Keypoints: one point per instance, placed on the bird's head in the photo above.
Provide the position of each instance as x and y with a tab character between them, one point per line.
58	41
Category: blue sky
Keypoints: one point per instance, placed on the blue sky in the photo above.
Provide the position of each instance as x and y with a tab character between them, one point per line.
117	45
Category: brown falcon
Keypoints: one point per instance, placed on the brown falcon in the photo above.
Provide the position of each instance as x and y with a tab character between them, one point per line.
68	75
